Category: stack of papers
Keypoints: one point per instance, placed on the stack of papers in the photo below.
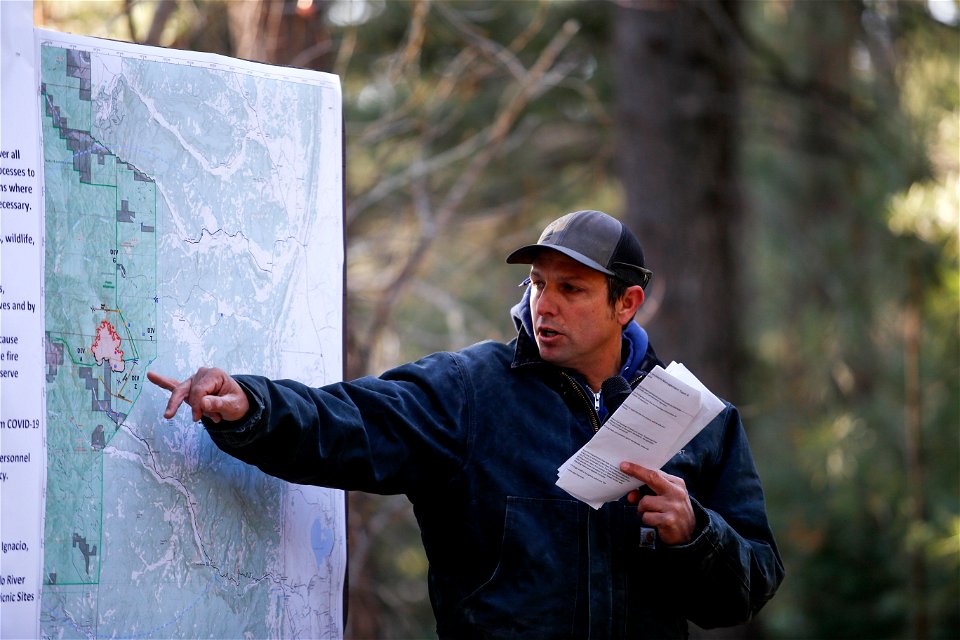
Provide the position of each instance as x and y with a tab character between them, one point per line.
666	410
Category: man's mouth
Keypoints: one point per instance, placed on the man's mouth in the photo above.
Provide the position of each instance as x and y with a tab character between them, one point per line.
547	333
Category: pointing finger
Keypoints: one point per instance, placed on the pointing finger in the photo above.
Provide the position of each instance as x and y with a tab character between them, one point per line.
178	391
177	397
656	480
165	382
642	474
209	392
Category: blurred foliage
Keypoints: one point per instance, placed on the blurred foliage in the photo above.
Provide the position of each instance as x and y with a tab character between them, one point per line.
850	119
855	189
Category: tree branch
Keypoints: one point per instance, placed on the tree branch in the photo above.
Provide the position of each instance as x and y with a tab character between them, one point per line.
165	9
528	87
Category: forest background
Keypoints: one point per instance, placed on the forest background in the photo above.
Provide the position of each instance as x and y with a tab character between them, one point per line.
792	169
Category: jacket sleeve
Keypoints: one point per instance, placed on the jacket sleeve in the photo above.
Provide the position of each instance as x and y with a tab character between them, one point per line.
732	566
393	434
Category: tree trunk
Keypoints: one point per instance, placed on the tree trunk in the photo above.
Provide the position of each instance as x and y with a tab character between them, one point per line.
912	325
677	107
281	33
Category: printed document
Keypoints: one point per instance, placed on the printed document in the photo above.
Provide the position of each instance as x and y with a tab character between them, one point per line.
667	409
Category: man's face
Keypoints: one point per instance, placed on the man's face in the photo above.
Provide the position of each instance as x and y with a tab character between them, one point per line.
574	324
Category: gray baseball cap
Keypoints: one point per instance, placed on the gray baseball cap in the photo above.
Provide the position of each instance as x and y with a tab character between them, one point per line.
594	239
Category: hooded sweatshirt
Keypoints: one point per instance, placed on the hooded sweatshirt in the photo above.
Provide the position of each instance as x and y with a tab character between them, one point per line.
637	352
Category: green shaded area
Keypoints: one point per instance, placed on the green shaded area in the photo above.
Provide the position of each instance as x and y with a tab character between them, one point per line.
101	261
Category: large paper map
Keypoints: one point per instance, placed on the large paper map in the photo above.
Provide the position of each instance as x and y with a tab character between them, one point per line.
193	218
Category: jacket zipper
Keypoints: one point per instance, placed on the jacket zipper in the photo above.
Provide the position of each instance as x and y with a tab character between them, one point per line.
594	408
594	417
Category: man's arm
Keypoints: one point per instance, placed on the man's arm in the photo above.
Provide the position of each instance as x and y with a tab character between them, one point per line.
393	434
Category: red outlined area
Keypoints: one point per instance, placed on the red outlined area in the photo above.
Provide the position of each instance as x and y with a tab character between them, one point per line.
106	346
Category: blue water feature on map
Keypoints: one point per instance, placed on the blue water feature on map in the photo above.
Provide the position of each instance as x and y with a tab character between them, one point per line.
321	541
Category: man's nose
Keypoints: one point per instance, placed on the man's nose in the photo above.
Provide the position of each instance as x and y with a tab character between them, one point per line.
546	302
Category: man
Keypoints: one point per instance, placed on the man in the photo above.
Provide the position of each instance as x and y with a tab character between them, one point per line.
474	439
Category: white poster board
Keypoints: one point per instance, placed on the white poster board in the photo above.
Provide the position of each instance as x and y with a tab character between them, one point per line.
22	459
191	215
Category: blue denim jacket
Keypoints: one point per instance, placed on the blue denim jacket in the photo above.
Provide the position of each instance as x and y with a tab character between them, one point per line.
474	439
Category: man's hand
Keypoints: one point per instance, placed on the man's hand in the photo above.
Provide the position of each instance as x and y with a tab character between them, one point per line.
209	392
669	511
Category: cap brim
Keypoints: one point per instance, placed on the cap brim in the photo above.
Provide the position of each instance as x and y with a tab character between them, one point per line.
529	253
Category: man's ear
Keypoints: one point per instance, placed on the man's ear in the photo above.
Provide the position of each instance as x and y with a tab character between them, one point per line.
629	304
